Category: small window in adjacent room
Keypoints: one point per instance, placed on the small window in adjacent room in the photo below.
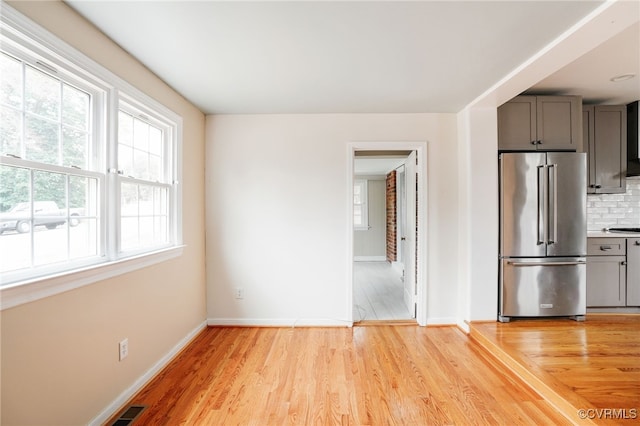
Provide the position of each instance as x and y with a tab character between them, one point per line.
360	209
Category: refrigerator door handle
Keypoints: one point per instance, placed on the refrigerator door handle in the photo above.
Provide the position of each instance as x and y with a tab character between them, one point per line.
542	205
552	211
572	263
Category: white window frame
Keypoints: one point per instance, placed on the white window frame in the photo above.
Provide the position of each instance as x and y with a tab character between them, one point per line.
16	290
364	205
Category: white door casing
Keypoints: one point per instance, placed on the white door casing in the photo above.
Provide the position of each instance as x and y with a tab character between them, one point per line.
409	255
420	148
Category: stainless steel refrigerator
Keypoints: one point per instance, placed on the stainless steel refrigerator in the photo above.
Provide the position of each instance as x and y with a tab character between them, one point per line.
543	235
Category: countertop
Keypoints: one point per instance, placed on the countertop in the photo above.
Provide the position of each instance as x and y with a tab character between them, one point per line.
605	234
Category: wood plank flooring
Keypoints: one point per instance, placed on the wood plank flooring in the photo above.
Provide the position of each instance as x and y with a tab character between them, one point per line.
378	293
381	375
576	365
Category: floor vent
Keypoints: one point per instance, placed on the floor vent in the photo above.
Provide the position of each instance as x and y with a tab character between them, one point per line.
129	415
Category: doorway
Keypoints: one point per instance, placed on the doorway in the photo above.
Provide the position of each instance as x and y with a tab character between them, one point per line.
387	266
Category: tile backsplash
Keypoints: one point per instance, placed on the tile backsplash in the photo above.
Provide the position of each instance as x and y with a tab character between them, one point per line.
614	209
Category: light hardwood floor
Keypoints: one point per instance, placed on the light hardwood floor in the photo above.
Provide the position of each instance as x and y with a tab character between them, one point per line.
378	293
379	375
575	365
536	372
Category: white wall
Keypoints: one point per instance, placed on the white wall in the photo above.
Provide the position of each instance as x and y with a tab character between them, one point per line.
60	354
277	222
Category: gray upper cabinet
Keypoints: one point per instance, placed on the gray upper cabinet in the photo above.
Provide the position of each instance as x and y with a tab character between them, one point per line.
544	123
605	135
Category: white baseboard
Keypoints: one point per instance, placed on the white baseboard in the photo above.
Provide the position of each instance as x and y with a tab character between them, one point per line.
443	321
369	258
280	322
464	326
117	403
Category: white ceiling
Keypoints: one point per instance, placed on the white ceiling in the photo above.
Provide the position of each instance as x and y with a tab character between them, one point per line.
590	75
346	56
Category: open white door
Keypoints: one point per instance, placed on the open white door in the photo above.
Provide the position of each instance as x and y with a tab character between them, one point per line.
409	249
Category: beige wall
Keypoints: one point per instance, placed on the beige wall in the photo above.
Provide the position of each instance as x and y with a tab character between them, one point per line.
60	354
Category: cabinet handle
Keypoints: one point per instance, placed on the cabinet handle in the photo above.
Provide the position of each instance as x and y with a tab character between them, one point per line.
539	142
598	186
577	262
636	243
534	142
623	263
605	248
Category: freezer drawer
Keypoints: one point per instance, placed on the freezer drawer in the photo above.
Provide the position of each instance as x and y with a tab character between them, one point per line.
543	287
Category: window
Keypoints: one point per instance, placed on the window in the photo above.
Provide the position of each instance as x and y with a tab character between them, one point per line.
48	178
89	166
145	188
360	209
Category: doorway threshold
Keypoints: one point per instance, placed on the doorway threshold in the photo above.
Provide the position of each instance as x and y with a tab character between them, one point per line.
369	323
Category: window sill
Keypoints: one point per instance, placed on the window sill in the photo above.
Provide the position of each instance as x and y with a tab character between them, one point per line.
32	290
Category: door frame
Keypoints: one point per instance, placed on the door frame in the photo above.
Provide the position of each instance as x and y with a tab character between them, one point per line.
421	243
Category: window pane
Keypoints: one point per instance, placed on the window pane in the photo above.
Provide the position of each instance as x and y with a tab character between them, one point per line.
10	81
140	135
140	164
140	149
155	168
129	199
144	220
146	200
75	148
75	108
84	239
155	141
41	138
160	201
49	192
15	184
357	215
42	94
125	129
83	217
125	159
129	233
50	244
10	131
15	219
160	229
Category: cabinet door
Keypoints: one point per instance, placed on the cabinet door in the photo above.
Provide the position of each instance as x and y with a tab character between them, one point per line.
588	142
559	123
517	124
633	271
609	148
606	281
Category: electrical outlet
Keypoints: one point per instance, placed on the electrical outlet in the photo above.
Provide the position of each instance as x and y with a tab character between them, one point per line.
239	293
124	348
